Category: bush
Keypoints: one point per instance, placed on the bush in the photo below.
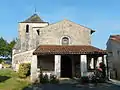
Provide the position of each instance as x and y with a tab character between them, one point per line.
6	65
24	70
1	61
53	79
44	79
84	79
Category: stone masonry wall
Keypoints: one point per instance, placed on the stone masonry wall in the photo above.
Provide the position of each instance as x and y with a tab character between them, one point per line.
53	34
24	57
29	40
113	58
23	49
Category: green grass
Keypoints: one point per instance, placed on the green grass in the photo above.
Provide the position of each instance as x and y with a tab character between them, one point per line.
9	80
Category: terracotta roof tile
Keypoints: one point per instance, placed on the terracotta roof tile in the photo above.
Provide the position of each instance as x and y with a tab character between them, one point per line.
59	49
115	38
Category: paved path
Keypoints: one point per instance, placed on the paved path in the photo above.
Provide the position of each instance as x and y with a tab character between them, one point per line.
101	86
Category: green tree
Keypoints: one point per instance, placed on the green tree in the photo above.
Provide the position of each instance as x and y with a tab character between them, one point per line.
6	48
3	48
10	47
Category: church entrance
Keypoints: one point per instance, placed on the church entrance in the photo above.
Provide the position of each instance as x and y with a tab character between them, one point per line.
66	67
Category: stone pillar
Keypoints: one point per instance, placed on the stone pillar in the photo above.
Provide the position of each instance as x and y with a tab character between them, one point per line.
83	65
91	63
99	60
34	76
105	61
106	65
57	65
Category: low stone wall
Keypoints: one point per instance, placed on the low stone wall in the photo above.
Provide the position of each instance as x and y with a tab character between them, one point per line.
0	66
24	57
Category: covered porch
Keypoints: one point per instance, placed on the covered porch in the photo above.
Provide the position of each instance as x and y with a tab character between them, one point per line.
66	61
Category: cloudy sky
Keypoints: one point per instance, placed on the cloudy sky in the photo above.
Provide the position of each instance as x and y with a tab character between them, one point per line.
103	16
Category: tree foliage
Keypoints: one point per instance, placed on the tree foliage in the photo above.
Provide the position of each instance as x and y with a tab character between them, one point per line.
6	48
3	48
10	47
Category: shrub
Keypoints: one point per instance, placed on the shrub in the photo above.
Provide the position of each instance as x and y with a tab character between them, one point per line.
6	65
44	78
77	74
1	61
24	70
53	79
84	79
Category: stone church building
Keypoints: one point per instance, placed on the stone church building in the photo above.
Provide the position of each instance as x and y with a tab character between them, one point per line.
63	48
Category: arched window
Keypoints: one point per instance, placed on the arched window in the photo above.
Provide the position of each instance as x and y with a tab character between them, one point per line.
27	28
65	41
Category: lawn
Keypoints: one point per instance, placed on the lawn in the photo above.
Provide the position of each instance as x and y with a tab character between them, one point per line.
9	80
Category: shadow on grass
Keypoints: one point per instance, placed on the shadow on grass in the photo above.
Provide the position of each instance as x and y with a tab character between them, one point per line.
4	78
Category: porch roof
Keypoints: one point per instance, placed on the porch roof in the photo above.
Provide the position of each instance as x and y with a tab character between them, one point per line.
60	49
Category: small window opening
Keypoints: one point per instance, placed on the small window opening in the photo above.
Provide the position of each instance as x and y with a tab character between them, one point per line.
27	28
65	41
38	32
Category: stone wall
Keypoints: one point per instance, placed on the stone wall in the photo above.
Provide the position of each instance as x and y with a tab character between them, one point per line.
24	57
53	34
23	50
29	40
113	58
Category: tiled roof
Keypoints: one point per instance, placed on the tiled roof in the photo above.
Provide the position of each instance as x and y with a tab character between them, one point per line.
59	49
115	38
33	19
